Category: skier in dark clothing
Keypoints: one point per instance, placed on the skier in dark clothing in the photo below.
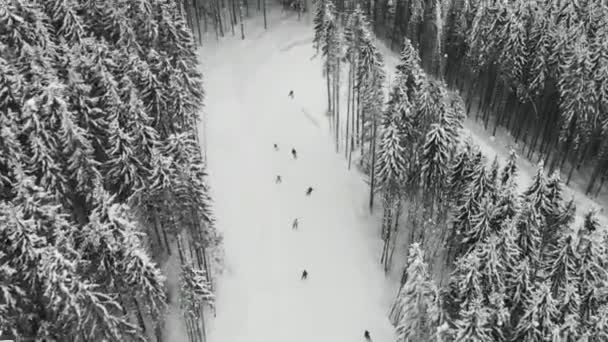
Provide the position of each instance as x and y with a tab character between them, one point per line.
304	275
309	191
294	225
294	153
279	180
290	94
366	335
276	147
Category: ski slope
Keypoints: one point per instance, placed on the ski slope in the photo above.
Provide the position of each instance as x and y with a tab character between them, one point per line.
260	296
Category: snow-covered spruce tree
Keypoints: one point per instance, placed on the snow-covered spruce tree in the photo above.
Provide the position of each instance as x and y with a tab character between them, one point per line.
509	171
544	198
507	205
87	87
473	325
390	174
459	173
417	309
369	82
539	321
592	274
562	263
325	27
434	160
50	296
195	292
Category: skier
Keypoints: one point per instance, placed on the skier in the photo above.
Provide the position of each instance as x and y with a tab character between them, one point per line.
290	94
294	153
309	191
304	275
276	147
294	225
366	335
278	181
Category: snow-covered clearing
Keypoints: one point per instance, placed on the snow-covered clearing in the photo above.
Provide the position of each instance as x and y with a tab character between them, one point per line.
260	296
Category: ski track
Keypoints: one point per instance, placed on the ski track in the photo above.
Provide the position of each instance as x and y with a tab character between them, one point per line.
260	297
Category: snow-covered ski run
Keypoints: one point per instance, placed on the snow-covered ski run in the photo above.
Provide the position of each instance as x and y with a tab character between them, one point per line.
261	297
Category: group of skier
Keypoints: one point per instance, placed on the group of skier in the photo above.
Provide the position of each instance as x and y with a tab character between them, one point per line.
295	223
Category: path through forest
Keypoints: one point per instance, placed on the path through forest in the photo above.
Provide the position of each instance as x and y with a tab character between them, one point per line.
261	296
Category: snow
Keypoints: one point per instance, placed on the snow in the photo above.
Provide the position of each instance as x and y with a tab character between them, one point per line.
260	297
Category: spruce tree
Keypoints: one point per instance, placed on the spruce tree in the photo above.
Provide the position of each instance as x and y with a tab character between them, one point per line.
591	272
417	303
509	171
474	324
434	160
391	164
539	321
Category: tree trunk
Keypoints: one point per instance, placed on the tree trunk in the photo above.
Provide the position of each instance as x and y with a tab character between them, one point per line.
264	5
395	230
180	250
198	22
599	188
329	109
373	173
232	14
350	72
337	98
140	317
241	18
164	236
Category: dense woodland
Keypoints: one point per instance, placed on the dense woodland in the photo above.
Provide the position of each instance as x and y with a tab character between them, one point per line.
101	174
102	178
485	262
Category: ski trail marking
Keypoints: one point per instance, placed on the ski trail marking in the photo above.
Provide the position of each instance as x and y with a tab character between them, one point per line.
311	118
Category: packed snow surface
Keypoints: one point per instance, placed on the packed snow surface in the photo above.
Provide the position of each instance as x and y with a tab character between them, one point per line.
260	296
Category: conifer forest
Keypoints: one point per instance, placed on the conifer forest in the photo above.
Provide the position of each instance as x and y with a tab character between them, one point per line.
303	170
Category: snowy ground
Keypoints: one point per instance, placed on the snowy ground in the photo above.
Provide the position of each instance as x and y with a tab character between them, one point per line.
261	296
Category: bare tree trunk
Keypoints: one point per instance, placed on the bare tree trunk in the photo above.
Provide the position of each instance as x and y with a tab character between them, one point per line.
337	96
241	18
156	222
230	14
198	22
396	230
350	73
264	5
372	171
329	107
182	257
140	317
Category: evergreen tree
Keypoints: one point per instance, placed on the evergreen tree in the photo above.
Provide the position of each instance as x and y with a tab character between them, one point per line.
539	322
391	165
417	303
473	325
509	171
195	290
434	159
591	272
92	89
50	297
